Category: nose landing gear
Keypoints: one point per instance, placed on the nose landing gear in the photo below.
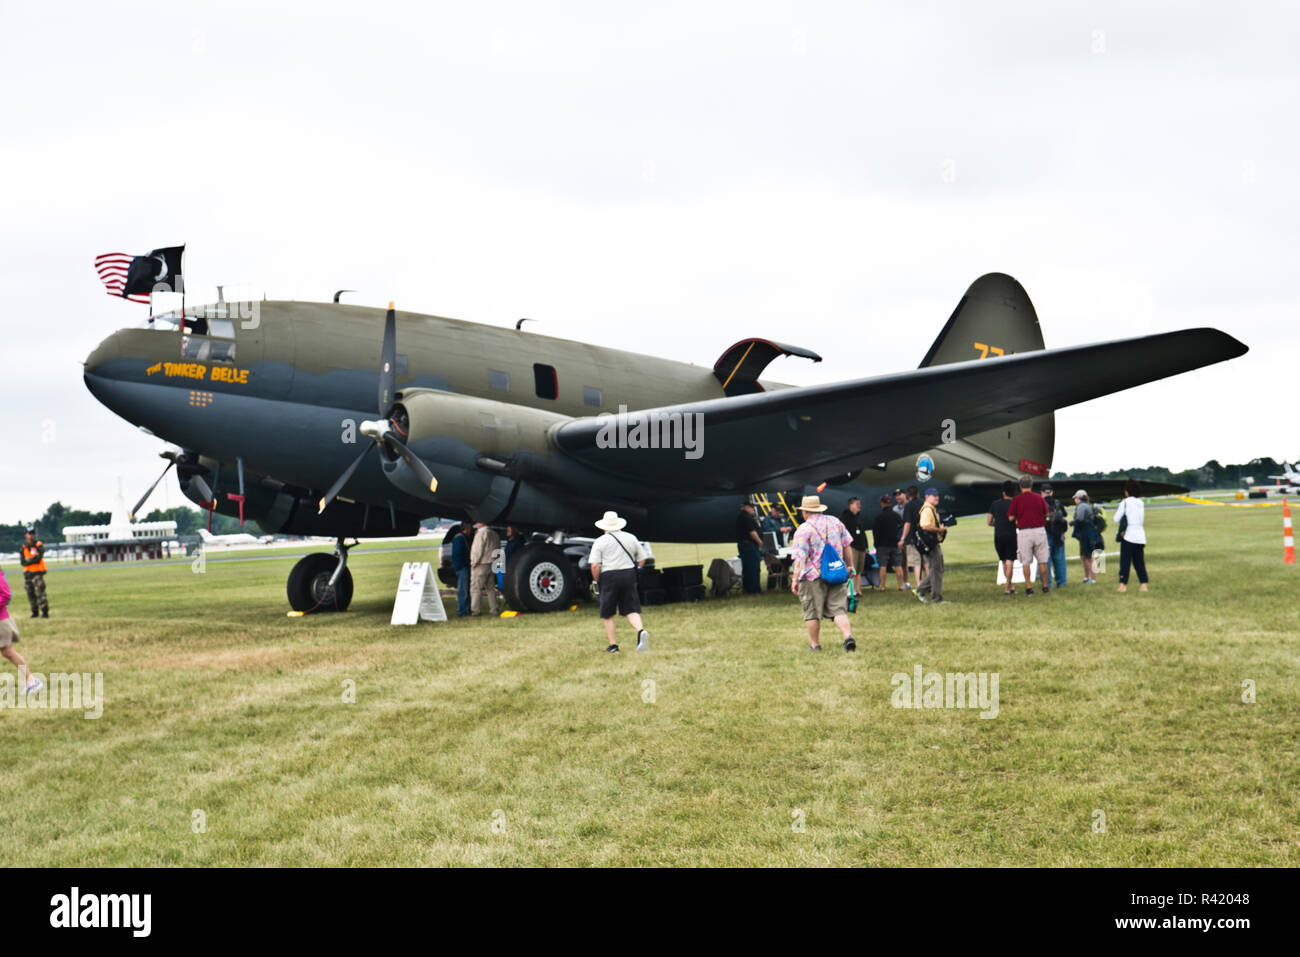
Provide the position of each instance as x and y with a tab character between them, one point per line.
321	582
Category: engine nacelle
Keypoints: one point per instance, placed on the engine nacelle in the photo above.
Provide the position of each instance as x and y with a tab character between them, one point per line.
483	427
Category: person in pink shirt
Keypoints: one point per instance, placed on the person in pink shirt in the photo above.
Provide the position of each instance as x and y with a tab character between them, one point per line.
818	599
9	634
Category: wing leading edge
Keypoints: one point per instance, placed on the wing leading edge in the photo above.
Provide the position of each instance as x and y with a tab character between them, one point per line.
789	436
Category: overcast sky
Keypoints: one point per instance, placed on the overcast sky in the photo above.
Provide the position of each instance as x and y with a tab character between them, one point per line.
667	178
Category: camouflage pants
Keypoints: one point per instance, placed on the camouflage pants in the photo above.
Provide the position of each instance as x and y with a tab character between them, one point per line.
34	582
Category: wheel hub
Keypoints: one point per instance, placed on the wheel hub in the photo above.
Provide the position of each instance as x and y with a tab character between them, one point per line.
546	581
320	588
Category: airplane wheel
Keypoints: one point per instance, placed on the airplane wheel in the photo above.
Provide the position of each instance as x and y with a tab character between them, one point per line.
540	578
309	589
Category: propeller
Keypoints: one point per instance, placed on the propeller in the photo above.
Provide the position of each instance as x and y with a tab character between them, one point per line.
388	430
170	456
178	458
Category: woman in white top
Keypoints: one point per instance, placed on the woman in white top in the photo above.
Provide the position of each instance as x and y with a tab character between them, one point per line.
1133	540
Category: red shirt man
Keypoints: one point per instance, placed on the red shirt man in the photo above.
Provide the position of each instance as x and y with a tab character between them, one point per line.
1028	510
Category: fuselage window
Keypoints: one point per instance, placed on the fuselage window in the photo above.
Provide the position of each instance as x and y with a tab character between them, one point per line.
547	382
499	380
591	396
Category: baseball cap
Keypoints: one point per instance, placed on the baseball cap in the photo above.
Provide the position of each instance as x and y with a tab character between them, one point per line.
931	491
30	529
1080	494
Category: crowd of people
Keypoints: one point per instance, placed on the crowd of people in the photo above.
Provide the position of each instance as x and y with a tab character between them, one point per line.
1030	527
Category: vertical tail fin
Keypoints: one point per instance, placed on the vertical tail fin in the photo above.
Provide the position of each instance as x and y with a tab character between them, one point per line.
995	318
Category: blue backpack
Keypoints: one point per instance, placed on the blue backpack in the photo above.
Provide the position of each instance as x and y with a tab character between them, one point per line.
833	570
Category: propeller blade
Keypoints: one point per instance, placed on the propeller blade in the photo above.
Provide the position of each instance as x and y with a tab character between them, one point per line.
388	363
414	461
203	488
343	479
143	498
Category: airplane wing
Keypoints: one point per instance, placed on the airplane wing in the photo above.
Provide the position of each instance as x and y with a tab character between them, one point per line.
786	437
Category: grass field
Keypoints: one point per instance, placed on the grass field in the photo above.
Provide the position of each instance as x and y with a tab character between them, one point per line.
518	741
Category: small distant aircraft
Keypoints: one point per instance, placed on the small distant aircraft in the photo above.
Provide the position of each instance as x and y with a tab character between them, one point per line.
235	538
1288	481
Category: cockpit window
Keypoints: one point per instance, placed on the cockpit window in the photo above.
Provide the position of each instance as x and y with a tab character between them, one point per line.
225	328
200	320
204	349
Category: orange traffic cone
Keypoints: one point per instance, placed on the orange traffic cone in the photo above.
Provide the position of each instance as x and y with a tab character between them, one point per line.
1288	538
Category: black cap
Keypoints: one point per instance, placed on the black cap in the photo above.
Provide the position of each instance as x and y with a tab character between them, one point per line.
30	530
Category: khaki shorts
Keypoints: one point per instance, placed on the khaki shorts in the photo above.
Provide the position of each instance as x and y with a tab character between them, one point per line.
913	557
820	600
8	632
859	556
1031	544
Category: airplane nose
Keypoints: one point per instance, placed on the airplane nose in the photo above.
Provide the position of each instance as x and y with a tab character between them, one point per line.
103	353
99	372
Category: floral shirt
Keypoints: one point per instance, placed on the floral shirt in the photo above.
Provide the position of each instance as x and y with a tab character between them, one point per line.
812	537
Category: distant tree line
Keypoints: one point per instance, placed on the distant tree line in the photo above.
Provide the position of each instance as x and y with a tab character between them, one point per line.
1210	475
49	527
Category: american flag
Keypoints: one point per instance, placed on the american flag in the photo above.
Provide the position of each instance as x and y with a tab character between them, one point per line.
112	269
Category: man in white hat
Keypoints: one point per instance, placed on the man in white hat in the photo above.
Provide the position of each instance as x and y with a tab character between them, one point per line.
615	557
818	598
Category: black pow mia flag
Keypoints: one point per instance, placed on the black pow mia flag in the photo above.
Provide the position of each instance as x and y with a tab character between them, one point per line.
160	271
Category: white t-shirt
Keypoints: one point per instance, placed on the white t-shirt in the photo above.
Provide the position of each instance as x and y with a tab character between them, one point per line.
1135	511
610	556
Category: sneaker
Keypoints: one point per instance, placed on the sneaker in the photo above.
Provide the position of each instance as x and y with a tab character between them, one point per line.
924	600
850	644
612	649
45	613
814	647
35	615
643	640
1029	591
1046	589
907	587
919	595
34	686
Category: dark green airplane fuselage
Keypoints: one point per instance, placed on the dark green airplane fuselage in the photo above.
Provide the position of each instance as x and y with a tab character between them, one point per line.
284	386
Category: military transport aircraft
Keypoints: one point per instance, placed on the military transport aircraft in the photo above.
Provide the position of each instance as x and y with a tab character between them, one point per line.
273	408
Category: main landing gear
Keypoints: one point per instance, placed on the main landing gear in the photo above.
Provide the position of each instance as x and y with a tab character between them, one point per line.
321	582
540	577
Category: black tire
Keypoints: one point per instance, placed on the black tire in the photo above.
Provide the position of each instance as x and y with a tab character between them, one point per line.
540	578
308	586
